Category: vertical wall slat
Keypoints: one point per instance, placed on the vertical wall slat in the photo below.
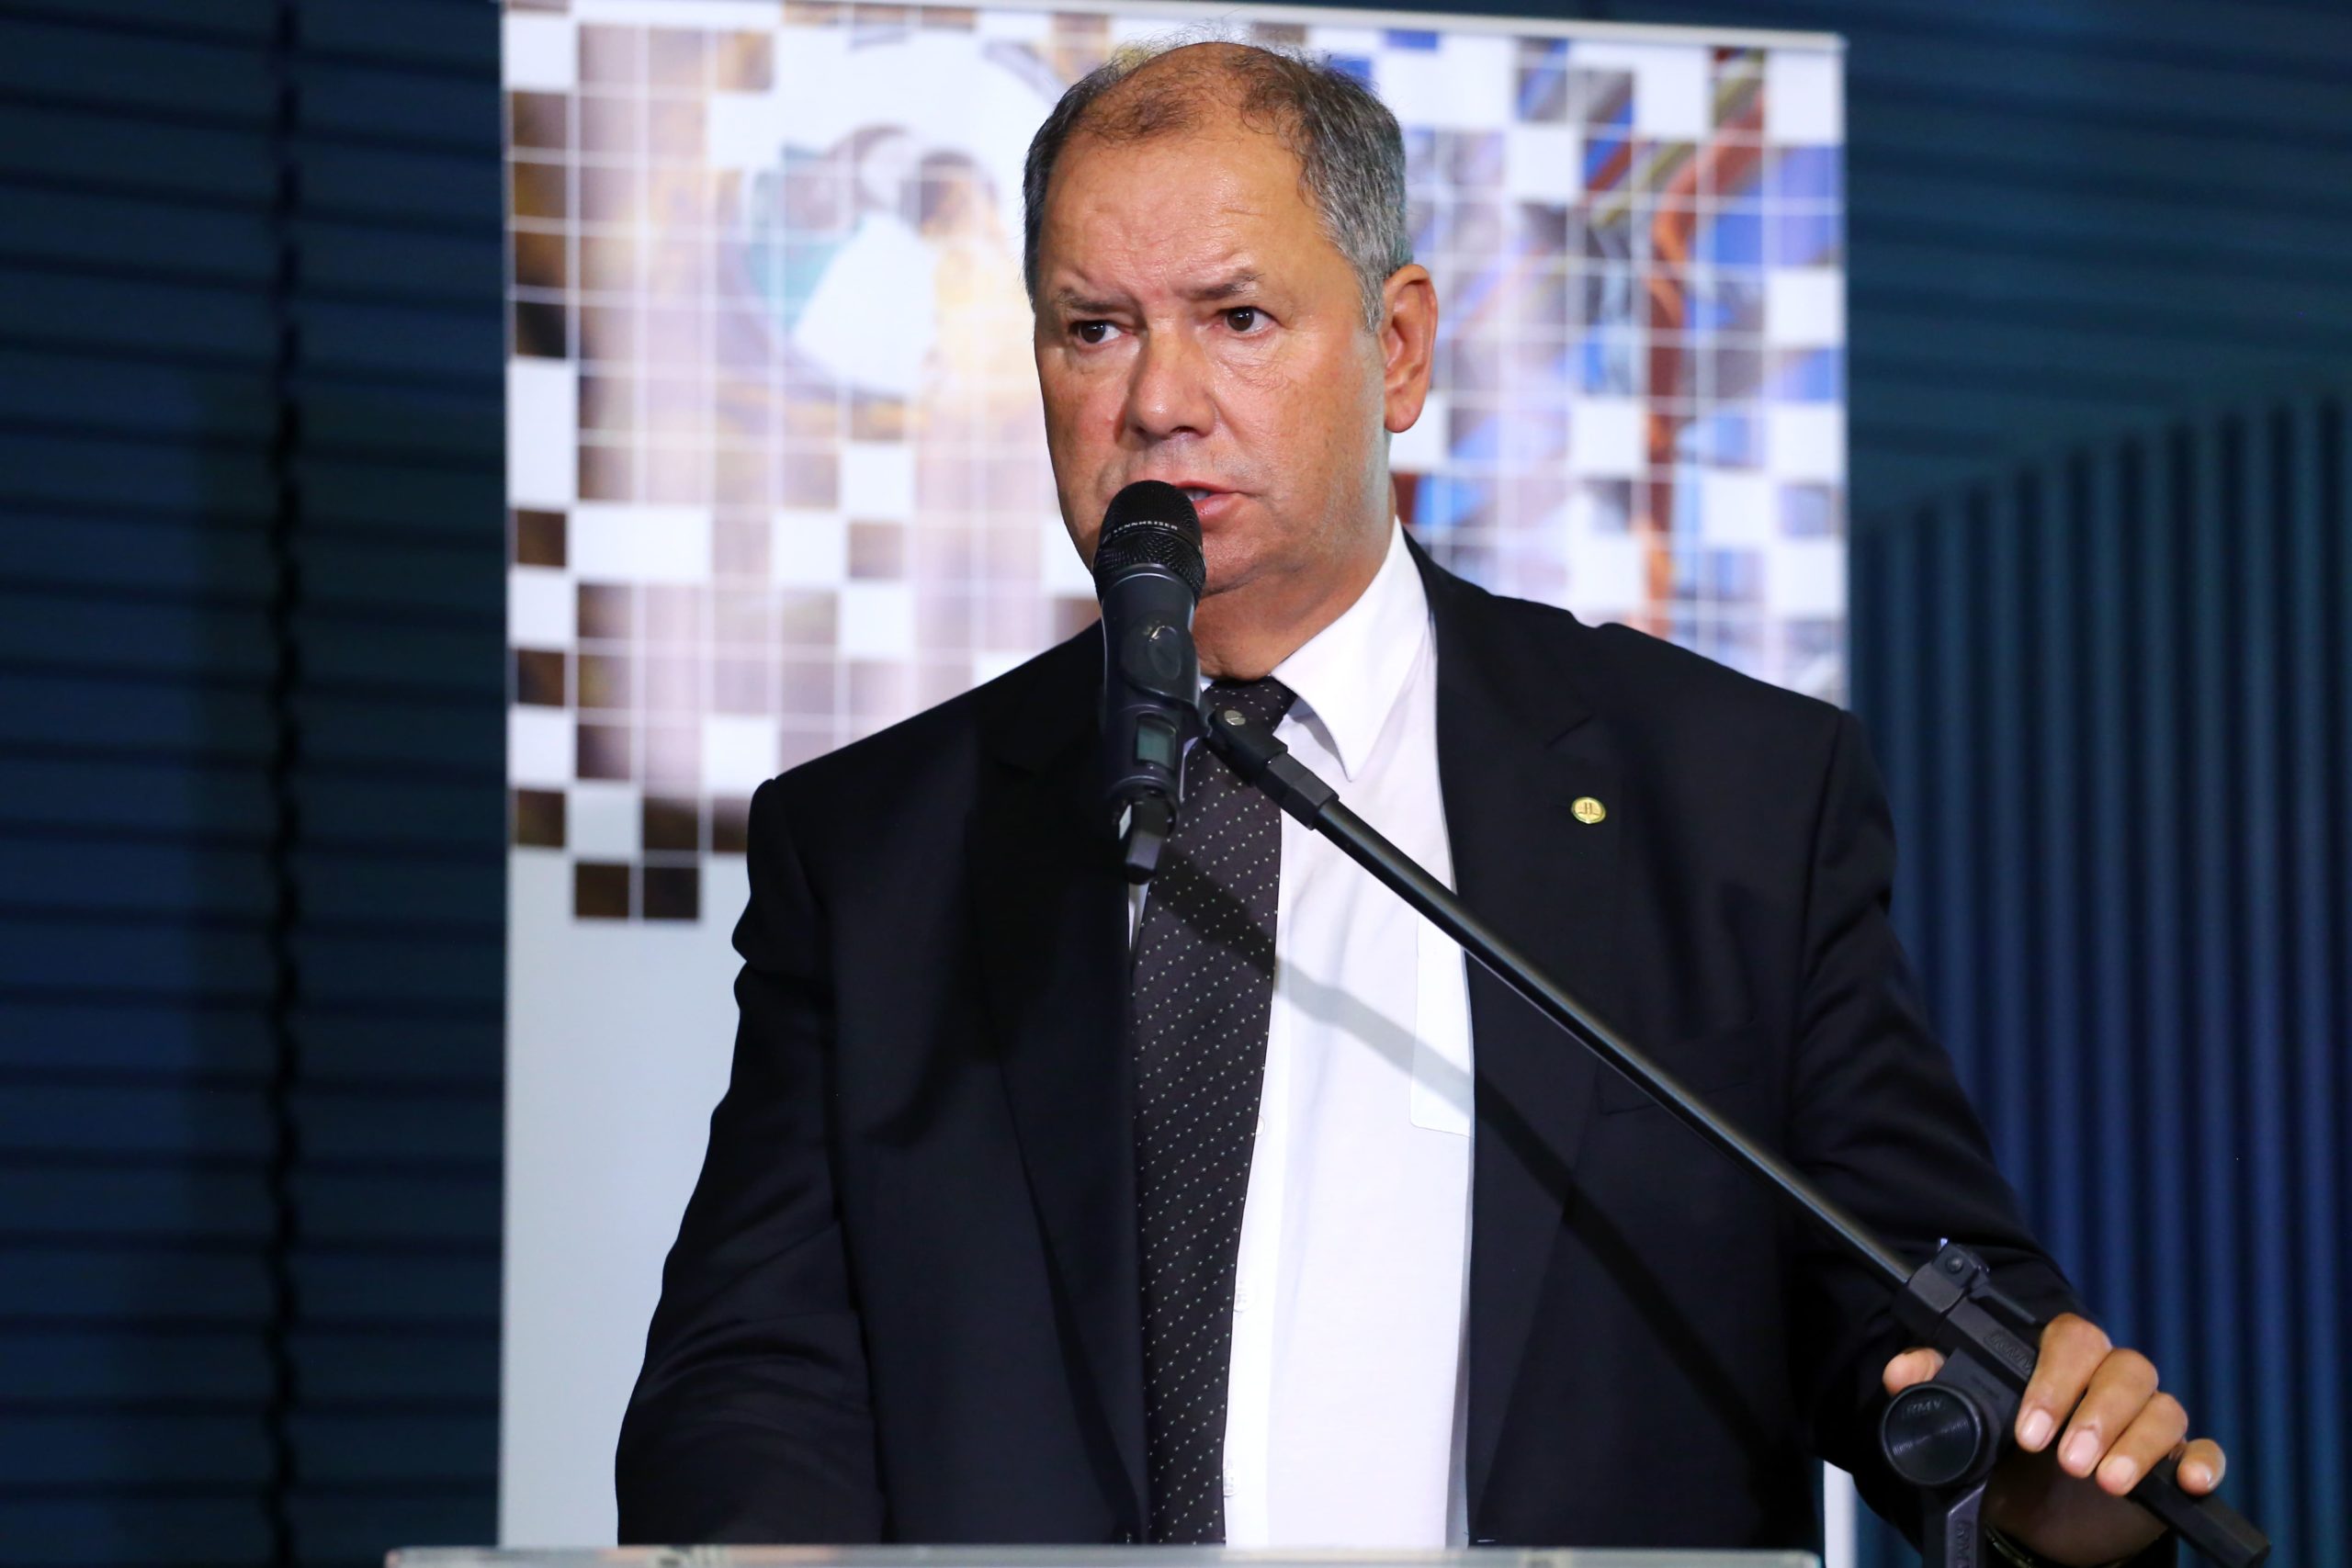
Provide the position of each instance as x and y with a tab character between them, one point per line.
2322	912
2116	1188
2212	925
2051	788
2268	1209
2004	932
1954	629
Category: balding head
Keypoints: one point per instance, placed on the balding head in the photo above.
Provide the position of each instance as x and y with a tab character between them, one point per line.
1350	153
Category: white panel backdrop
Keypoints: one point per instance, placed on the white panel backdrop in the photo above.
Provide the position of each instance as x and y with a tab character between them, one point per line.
777	479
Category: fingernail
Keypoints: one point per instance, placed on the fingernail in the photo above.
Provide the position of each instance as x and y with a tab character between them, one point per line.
2196	1475
2080	1452
2039	1424
2117	1474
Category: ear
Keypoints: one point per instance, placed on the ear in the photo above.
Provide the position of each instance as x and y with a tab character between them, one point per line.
1408	336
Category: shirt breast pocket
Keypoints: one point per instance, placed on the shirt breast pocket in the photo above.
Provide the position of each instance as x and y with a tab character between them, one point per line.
1704	1064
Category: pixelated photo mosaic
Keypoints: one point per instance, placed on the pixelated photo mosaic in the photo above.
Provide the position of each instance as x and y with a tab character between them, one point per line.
777	470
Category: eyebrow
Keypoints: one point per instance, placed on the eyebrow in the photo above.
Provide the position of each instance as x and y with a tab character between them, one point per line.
1071	299
1241	282
1226	288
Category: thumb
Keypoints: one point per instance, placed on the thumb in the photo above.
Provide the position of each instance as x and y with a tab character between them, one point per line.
1912	1366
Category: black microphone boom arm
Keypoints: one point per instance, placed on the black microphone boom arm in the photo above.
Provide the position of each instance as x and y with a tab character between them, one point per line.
1942	1436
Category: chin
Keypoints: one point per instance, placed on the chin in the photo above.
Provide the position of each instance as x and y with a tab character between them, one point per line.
1229	560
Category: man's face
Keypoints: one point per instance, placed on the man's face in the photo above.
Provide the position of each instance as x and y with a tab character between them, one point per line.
1196	326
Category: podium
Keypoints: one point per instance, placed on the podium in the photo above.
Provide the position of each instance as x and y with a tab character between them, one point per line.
1074	1557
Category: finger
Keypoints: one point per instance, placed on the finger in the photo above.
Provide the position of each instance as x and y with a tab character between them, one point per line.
2202	1465
2072	1349
2120	1390
1912	1366
2154	1433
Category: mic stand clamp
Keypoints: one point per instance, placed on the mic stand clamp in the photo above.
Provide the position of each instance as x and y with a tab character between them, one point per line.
1943	1435
1153	679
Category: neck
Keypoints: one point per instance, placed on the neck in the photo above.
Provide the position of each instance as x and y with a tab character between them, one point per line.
1243	633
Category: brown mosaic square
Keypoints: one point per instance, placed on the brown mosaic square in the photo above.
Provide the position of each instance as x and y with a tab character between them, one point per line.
672	892
539	537
672	822
540	121
605	681
604	752
540	331
541	261
538	819
539	677
731	824
599	890
538	191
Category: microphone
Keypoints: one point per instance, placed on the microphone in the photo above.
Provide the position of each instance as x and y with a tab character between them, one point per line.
1148	575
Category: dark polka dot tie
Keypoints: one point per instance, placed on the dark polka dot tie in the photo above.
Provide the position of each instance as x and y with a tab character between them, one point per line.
1203	990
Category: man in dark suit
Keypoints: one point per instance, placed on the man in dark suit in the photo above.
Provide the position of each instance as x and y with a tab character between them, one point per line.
948	1276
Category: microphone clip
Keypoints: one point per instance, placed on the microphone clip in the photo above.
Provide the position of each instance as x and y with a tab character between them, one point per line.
1156	664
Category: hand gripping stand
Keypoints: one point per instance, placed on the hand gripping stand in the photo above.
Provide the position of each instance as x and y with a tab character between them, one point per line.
1942	1436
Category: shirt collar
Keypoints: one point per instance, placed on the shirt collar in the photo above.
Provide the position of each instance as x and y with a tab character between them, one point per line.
1349	676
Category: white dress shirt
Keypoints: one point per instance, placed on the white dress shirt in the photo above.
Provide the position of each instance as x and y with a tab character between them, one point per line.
1344	1412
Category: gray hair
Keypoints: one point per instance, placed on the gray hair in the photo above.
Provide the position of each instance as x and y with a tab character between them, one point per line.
1350	153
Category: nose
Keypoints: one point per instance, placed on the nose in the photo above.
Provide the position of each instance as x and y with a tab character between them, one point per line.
1169	394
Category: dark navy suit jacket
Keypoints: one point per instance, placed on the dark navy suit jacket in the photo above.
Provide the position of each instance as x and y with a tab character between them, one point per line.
904	1303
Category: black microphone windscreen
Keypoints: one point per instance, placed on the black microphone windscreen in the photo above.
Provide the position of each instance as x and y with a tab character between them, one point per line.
1150	524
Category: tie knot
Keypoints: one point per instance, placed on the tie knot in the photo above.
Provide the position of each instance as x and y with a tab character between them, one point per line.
1264	701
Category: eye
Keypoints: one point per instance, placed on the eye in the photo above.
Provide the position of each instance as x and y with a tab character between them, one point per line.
1245	319
1091	332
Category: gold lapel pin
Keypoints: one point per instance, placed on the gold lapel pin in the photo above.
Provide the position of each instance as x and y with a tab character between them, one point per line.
1587	810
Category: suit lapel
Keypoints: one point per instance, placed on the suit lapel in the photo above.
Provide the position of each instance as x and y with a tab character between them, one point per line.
1516	747
1050	909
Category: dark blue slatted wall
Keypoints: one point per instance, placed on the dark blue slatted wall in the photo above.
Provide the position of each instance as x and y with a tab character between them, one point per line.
2113	691
251	749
